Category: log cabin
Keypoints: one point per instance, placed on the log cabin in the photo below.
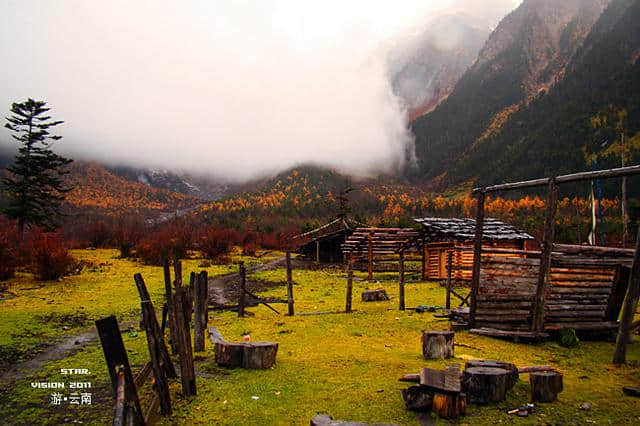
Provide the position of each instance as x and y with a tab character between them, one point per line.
455	237
323	244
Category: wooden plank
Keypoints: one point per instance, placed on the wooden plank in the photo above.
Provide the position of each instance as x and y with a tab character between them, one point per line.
161	383
503	333
593	326
447	380
200	313
116	357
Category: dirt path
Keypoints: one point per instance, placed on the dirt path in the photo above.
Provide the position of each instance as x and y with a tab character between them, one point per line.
223	289
56	351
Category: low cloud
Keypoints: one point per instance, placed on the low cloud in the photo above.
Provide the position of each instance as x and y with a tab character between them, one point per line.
233	89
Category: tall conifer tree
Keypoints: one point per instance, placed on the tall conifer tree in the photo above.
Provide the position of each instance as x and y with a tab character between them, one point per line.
35	186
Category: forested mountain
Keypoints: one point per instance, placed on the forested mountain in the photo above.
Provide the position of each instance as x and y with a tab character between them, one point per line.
525	56
424	68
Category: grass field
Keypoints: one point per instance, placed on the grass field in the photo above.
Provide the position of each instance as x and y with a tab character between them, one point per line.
343	365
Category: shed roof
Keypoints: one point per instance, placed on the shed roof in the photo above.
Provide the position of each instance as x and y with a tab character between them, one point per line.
438	229
381	241
336	227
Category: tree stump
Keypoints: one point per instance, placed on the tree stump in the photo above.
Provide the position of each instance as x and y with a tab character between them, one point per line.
485	384
512	377
259	355
437	344
375	295
229	355
417	398
545	386
449	406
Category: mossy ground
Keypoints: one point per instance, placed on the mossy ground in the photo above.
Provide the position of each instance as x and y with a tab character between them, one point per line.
344	365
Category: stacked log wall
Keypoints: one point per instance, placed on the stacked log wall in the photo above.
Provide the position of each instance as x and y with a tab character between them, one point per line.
584	287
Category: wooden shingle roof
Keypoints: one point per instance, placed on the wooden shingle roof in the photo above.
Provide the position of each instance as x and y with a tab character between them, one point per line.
442	229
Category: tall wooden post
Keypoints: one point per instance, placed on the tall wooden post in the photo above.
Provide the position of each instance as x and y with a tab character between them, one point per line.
401	273
423	250
349	283
449	268
170	310
243	283
155	345
200	311
289	284
630	306
370	258
537	323
477	258
187	372
317	251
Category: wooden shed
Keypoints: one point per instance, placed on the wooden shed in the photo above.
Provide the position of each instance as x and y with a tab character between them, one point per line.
455	237
323	244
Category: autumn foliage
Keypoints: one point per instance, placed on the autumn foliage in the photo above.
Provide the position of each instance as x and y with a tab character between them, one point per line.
8	253
49	257
171	239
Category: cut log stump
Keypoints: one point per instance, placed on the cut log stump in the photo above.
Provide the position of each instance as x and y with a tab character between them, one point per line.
259	355
545	386
449	406
417	398
485	384
375	295
512	377
437	344
229	354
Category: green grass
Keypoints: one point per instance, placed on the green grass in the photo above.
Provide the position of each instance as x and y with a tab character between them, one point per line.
344	365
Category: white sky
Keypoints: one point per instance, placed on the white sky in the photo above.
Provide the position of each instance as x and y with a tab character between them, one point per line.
232	88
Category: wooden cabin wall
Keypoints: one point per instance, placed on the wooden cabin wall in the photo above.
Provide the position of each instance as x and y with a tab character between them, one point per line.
580	296
437	255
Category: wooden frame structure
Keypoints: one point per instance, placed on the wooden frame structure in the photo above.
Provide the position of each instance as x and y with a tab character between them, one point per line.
542	279
372	243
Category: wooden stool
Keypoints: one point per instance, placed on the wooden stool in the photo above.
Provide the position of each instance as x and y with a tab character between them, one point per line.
437	344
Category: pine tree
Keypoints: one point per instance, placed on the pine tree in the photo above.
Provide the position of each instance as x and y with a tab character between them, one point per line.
34	186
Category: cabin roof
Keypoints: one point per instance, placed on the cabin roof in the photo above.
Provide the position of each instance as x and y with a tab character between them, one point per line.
439	229
330	230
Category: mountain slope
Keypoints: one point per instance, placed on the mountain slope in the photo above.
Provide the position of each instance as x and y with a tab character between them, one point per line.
526	54
598	98
424	69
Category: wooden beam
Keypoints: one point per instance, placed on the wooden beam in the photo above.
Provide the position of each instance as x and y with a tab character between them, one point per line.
423	265
574	177
630	306
169	304
537	323
449	269
477	258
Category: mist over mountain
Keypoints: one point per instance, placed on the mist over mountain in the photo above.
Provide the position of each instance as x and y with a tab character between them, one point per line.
525	56
425	68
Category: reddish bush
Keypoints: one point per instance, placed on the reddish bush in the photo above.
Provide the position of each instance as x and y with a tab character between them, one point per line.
169	240
9	256
215	243
49	257
127	234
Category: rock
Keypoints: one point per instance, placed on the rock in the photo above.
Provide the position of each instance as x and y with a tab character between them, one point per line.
586	406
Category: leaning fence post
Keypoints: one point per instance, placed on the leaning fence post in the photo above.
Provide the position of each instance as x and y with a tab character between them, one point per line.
289	283
243	283
630	306
116	357
349	284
